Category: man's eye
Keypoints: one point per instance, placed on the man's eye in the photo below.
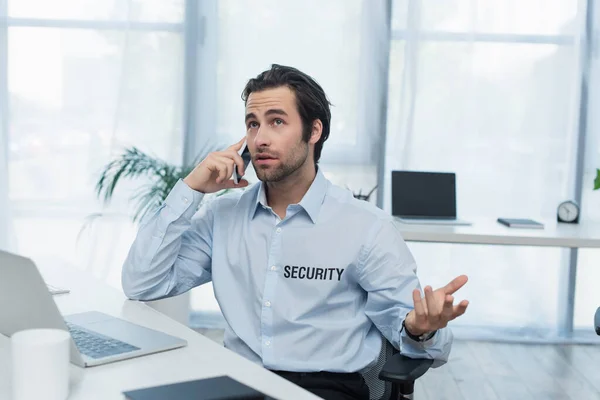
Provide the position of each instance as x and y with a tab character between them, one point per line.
252	125
278	121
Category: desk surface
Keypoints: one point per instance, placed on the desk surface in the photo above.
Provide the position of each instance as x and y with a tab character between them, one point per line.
489	231
201	358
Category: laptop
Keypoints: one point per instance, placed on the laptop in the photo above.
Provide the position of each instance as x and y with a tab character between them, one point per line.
420	197
97	338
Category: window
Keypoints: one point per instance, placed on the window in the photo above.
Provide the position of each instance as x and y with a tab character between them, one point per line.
490	90
86	79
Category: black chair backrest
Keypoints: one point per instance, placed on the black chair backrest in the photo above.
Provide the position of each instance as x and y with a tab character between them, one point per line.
379	390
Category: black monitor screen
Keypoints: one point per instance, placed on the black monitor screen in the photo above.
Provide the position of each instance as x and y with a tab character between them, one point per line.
423	194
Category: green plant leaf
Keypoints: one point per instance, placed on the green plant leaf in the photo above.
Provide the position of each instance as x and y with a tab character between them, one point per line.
597	180
132	163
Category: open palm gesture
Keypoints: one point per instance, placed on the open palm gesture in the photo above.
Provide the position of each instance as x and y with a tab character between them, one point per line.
436	309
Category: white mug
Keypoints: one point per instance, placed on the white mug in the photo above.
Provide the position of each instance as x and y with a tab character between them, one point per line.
40	364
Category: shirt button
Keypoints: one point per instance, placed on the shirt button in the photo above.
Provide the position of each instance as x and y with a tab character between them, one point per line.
278	230
267	303
268	343
185	200
273	268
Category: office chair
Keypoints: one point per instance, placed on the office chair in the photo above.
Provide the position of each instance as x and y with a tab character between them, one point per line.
597	321
393	376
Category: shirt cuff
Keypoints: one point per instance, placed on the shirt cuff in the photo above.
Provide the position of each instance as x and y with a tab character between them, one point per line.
184	200
437	348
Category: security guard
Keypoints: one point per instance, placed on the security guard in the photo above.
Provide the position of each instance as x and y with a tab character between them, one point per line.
306	276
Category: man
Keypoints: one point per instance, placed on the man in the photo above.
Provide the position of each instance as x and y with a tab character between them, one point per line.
307	277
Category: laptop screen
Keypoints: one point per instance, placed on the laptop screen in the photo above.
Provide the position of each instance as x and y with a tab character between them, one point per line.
423	194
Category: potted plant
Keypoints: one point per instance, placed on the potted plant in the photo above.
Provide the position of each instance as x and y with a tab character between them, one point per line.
360	196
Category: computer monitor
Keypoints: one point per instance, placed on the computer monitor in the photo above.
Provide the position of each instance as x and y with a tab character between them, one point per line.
418	194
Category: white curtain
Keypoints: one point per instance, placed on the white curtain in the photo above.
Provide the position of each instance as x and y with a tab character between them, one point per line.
4	213
489	89
85	80
4	204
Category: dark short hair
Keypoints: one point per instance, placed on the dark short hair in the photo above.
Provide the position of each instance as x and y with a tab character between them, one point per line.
311	101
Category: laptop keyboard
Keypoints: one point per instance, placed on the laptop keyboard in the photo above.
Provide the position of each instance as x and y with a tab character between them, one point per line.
95	345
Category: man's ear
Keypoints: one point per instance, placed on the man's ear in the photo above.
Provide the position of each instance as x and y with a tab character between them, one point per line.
317	130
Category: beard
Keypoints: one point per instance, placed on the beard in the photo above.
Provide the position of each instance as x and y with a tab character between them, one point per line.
297	157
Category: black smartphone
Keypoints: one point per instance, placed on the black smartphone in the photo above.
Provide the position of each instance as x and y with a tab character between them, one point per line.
245	154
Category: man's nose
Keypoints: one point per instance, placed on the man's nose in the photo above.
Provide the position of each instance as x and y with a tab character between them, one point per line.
262	138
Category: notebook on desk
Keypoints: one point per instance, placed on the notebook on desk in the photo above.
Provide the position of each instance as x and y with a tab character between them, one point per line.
217	388
57	290
520	223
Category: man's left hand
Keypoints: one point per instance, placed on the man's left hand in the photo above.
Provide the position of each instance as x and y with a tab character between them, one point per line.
436	309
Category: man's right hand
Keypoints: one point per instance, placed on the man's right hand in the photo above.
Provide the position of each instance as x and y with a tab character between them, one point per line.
215	171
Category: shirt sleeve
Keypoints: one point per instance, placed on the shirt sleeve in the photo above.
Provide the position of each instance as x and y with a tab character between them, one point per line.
172	250
387	272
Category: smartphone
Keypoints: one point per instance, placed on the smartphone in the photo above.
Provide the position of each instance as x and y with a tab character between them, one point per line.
245	154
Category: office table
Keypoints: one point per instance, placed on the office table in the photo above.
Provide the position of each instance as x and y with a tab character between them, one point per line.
487	231
201	358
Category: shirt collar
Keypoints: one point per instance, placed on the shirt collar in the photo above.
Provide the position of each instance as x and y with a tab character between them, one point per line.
311	202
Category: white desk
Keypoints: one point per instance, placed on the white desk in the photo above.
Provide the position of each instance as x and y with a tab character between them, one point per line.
488	231
201	358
